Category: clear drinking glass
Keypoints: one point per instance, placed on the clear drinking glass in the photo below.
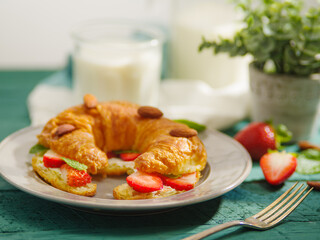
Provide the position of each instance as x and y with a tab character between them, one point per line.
117	60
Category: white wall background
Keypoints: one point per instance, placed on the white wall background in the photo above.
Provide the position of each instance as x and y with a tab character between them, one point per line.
35	33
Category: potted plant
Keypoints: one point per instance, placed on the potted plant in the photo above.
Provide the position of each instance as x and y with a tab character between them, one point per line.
283	39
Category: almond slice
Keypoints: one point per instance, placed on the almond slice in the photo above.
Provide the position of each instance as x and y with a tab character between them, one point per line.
314	184
149	112
64	129
307	145
90	101
183	132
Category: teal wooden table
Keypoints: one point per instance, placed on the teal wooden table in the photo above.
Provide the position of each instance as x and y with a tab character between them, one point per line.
23	216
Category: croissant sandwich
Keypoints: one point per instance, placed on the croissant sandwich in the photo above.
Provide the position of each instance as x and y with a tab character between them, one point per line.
161	157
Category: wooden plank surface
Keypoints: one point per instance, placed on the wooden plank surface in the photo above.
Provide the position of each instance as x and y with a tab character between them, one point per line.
24	216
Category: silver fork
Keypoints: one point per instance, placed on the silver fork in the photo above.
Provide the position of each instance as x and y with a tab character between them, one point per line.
267	218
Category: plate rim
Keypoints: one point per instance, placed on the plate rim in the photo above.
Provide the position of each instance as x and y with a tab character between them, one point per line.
126	205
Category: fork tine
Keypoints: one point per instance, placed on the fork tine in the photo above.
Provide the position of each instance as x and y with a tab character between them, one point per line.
290	210
276	215
253	222
276	208
275	202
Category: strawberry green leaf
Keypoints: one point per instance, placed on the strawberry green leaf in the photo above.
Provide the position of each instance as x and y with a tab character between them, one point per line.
269	122
196	126
74	164
282	151
38	148
282	134
272	150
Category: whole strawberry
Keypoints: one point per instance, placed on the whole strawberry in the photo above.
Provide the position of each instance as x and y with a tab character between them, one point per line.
258	137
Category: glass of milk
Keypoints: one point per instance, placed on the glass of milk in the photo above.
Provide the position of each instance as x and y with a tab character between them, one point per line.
117	61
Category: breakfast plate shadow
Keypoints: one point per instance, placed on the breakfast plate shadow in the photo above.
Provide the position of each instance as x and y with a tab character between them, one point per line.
228	165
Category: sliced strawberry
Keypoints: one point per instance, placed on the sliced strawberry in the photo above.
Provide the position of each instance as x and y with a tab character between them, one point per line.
144	182
277	167
75	178
185	182
129	156
52	159
111	155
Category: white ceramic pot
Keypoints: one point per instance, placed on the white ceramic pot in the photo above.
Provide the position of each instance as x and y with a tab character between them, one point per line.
285	99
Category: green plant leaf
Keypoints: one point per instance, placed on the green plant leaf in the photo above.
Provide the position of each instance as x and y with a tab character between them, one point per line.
283	32
191	124
38	149
74	164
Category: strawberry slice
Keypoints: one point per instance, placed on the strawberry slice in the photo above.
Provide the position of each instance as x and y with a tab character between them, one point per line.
52	159
144	182
277	167
129	156
185	182
74	177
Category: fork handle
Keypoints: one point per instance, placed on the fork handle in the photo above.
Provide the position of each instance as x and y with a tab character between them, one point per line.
215	229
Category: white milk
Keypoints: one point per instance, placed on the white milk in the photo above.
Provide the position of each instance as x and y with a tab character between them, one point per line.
111	75
210	19
117	61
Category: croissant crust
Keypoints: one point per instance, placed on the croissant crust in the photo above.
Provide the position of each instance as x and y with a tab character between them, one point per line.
116	125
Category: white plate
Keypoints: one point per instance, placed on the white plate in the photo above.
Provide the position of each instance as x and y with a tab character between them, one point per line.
228	166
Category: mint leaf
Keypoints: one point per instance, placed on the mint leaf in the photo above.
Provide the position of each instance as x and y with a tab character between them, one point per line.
309	162
191	124
38	148
74	164
312	154
307	166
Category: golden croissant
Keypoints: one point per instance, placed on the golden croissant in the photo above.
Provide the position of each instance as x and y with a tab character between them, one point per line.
86	133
